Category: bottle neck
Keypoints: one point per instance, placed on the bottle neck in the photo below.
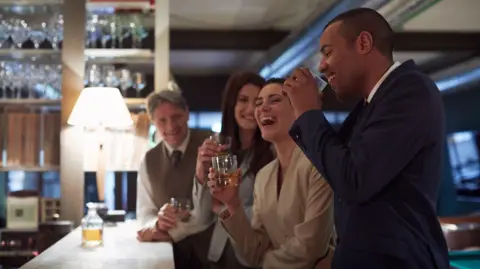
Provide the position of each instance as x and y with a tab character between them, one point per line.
92	211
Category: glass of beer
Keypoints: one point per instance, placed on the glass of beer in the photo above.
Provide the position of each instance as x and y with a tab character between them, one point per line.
224	141
226	168
183	207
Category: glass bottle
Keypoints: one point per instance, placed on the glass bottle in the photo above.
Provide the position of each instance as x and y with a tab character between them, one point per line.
92	227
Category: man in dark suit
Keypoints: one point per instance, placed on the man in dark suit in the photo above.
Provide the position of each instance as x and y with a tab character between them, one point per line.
384	163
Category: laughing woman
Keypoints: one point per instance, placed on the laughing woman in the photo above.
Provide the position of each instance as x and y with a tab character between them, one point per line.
292	219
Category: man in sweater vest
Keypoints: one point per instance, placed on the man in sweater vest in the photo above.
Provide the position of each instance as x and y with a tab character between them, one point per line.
167	171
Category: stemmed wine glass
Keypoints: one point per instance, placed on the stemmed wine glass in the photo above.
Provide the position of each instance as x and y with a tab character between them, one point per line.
18	79
4	32
31	78
111	79
137	31
139	83
122	29
37	34
4	83
104	24
20	32
93	31
57	77
125	81
54	31
93	77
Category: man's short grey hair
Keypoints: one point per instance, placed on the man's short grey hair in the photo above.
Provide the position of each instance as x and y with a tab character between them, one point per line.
165	96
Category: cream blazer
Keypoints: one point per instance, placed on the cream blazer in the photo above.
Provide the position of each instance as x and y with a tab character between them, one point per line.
291	230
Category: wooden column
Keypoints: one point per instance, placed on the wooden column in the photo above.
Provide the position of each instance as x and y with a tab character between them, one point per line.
162	44
71	150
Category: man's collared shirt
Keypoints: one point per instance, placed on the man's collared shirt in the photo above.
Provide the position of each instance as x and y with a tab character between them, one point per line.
182	147
382	79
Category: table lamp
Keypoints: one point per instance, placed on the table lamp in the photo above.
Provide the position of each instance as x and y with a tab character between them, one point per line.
99	108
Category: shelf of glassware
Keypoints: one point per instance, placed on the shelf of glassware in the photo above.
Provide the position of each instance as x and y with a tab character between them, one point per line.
118	4
91	55
27	168
133	103
29	102
30	2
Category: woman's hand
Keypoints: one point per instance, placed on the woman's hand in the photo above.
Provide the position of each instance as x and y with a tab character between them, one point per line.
217	206
206	152
225	194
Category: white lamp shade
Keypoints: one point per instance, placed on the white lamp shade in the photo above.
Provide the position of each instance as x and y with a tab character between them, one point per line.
100	106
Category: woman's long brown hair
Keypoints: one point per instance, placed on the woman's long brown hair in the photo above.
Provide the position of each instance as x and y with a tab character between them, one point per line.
262	153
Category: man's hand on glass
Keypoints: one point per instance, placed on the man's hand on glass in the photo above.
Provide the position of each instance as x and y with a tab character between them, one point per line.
168	217
152	235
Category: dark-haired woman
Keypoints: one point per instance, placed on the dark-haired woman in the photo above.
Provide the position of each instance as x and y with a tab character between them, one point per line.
292	221
238	122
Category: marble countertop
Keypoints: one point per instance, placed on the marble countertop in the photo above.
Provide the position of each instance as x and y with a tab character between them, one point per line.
120	250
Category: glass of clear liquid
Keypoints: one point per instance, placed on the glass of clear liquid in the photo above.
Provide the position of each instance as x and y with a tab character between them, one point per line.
224	141
321	84
92	228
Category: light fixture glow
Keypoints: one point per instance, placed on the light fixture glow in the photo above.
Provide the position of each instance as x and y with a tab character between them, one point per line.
100	106
459	80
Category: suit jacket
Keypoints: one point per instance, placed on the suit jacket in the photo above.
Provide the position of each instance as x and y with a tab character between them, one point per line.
292	230
384	166
202	216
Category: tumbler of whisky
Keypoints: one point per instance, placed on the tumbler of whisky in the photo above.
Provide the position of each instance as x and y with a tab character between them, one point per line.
226	169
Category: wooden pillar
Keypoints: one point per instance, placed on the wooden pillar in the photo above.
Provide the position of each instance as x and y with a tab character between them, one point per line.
162	44
71	150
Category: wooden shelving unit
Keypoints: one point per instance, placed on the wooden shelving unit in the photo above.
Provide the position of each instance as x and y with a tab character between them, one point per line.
133	103
74	60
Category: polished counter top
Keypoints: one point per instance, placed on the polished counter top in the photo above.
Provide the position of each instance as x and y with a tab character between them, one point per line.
120	250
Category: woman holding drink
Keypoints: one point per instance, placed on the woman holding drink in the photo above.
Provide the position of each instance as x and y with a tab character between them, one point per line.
292	215
239	145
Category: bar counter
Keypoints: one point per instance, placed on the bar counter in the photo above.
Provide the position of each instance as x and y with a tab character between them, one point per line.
120	250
